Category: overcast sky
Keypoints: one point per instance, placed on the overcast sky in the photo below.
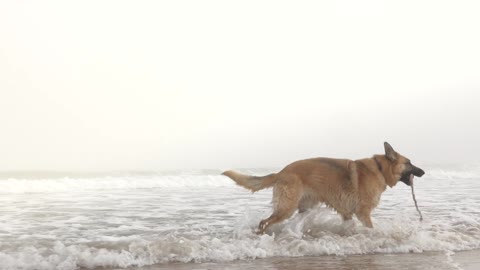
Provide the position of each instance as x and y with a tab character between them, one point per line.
153	85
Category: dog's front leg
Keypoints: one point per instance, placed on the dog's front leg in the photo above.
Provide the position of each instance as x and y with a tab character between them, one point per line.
364	216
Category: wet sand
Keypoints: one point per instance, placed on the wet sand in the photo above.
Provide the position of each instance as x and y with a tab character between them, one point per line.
466	260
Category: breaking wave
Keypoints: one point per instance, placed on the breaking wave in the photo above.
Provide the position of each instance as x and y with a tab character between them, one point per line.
67	184
313	234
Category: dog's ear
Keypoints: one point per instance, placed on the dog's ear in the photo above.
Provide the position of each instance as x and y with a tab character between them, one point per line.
389	152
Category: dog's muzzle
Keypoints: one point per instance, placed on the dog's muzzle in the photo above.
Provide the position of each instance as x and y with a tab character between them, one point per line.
418	172
407	177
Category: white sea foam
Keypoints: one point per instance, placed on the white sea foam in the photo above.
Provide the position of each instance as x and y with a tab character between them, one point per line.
127	221
313	234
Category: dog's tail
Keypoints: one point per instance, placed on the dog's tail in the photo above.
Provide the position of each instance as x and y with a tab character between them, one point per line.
253	183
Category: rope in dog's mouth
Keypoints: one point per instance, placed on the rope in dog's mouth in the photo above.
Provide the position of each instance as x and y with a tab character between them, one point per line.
414	199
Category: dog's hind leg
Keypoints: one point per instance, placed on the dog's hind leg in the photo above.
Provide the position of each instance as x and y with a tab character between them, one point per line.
286	195
347	217
306	203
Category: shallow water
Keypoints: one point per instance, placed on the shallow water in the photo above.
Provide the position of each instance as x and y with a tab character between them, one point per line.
465	260
139	220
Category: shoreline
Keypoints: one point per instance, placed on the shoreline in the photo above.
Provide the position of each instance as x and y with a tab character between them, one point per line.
465	260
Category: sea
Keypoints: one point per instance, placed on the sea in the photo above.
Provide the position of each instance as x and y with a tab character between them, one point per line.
199	219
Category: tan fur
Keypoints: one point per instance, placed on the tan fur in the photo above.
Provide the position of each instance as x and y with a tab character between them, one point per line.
351	187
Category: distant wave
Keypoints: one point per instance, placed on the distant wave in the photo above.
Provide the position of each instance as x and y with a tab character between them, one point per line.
13	185
139	180
467	172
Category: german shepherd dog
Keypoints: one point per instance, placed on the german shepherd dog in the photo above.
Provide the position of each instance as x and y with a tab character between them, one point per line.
348	186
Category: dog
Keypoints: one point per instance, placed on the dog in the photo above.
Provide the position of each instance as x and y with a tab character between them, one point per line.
351	187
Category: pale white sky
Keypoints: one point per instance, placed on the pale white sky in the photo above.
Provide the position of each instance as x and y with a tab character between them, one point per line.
118	85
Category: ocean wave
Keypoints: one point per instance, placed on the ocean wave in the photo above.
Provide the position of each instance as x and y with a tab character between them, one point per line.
140	220
314	233
187	179
67	184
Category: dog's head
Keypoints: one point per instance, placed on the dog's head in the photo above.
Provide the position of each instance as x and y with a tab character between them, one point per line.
399	168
